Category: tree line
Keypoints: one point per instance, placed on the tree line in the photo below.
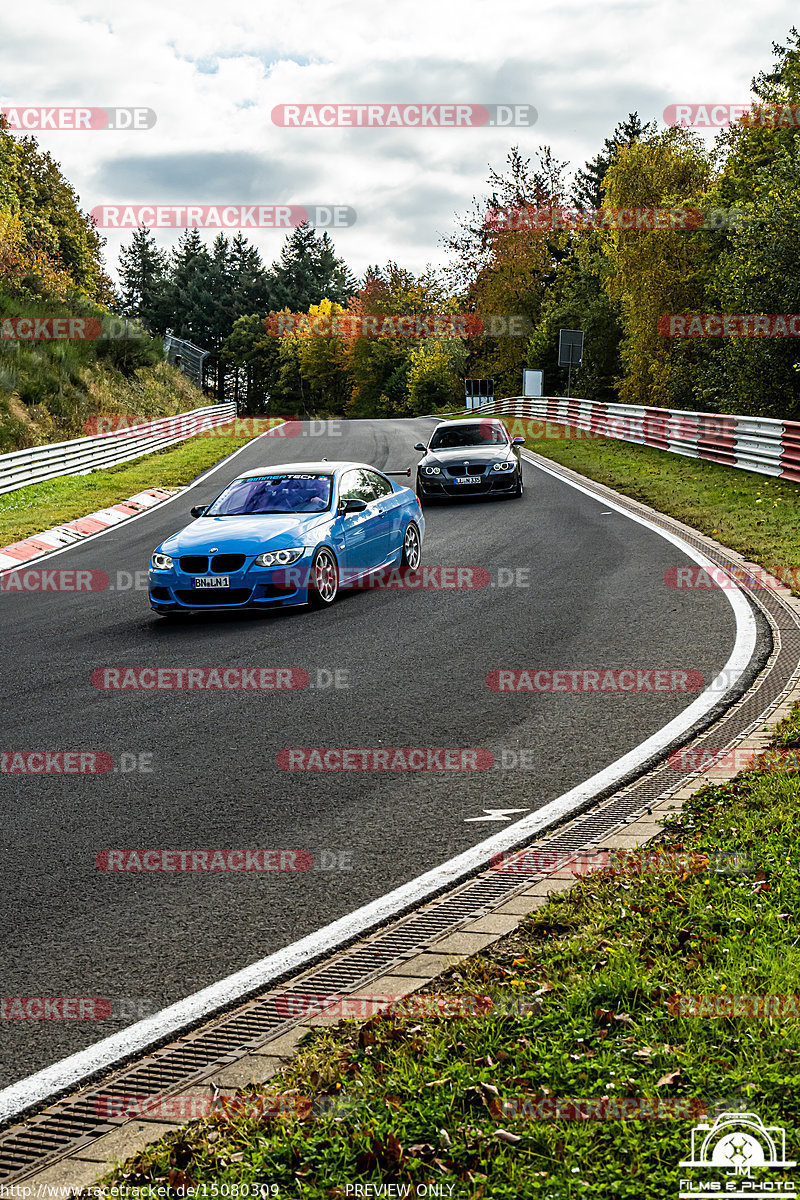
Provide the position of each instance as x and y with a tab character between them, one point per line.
613	282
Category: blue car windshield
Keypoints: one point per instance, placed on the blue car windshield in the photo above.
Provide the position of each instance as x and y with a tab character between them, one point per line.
273	494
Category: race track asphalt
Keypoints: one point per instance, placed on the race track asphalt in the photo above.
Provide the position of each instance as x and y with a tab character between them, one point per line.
592	594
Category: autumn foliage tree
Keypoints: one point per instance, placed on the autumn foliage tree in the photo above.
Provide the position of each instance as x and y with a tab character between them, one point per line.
653	272
503	268
48	245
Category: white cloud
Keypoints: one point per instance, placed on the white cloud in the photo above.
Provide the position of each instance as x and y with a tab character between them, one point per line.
213	73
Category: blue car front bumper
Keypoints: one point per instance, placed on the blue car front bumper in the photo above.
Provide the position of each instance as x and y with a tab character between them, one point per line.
252	587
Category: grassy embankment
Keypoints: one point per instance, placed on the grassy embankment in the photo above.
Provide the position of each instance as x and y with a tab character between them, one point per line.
612	971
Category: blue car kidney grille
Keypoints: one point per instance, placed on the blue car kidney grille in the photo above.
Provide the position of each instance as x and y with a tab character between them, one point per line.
194	564
227	562
197	564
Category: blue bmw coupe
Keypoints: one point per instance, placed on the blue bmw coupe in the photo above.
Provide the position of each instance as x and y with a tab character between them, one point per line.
291	534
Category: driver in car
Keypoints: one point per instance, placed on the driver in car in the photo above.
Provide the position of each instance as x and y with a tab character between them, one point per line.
317	495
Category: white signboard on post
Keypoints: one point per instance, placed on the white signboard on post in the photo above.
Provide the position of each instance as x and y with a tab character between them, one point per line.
532	382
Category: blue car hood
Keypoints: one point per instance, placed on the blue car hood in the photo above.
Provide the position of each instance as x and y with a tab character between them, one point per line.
251	534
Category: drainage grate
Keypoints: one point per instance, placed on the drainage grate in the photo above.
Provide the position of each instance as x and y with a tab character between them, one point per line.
78	1120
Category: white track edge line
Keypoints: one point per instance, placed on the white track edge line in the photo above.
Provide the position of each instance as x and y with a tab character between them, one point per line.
79	1067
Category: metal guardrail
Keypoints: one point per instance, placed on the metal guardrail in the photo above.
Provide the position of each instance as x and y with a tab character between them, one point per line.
185	356
762	444
80	456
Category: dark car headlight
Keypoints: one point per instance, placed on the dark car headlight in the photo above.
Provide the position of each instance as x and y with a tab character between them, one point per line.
279	558
432	470
161	562
503	466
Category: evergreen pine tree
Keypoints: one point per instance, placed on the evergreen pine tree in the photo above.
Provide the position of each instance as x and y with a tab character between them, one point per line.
587	189
308	271
143	281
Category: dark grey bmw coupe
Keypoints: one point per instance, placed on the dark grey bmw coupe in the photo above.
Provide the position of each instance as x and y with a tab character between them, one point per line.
470	457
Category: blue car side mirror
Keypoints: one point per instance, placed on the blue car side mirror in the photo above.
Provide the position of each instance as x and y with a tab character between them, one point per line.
198	510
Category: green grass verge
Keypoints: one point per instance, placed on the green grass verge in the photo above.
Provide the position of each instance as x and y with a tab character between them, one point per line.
603	968
756	515
33	509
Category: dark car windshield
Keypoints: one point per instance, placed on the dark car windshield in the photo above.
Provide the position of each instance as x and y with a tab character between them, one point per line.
278	493
484	433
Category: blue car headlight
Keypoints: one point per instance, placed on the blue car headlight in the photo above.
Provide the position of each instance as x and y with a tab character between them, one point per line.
161	562
432	470
279	558
503	466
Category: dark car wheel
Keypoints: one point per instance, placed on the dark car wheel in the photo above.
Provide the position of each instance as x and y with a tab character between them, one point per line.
412	549
520	488
323	583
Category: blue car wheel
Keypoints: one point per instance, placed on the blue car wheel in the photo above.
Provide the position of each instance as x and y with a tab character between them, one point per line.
323	582
412	551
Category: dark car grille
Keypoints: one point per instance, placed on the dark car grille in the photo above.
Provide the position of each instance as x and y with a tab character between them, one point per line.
197	564
194	564
219	596
467	468
227	562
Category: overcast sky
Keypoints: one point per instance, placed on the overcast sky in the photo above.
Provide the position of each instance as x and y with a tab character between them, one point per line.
213	72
